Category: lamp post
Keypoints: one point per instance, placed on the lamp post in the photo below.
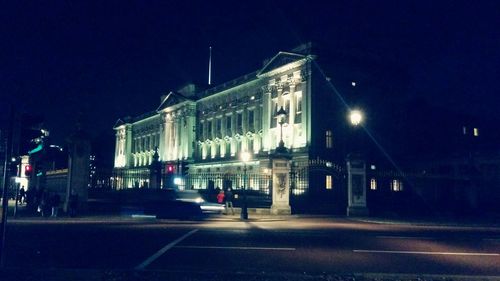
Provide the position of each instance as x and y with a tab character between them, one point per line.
245	157
281	114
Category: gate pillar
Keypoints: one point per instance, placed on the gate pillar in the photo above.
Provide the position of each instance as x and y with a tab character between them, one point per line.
281	184
356	186
78	171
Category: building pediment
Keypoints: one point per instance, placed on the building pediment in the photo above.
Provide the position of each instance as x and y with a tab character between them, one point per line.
280	60
172	99
121	122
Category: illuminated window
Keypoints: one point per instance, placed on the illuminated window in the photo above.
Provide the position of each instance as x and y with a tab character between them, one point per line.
328	183
396	185
286	105
373	184
274	108
298	108
476	132
329	141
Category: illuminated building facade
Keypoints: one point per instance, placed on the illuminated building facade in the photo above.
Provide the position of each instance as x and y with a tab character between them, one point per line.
207	130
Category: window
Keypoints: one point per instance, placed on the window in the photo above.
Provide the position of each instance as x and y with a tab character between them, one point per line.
251	120
209	129
239	122
200	129
298	108
476	132
328	183
286	106
218	127
373	184
228	125
329	141
274	108
396	185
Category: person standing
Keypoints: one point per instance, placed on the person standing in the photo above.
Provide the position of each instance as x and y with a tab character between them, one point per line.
22	195
220	197
229	201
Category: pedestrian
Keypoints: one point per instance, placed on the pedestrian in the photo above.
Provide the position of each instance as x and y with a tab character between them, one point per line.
55	201
22	195
220	197
229	201
73	204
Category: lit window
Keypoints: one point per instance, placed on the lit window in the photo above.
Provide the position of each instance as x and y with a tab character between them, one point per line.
328	184
353	84
476	132
298	108
373	184
396	185
329	141
274	108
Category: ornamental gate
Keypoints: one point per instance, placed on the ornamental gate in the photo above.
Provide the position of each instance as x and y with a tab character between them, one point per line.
318	186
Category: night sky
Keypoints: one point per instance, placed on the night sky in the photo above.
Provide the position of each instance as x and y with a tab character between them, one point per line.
102	60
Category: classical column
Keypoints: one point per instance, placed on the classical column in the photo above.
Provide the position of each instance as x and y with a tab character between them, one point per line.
356	186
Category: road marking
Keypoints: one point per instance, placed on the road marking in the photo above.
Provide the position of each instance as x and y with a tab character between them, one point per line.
238	248
163	250
426	253
496	240
407	237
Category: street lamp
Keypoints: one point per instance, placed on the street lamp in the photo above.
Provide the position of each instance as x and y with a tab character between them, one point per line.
356	117
281	114
245	157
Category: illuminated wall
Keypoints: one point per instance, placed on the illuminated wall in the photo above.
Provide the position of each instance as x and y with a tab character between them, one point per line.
212	128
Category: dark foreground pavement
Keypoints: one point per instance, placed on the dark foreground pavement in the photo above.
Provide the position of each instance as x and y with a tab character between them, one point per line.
100	275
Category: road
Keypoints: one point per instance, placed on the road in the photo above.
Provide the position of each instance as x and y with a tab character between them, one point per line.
293	245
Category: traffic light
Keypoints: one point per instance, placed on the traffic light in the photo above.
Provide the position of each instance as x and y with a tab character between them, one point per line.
170	169
28	170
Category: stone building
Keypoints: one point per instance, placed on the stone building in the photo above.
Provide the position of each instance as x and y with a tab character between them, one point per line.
205	131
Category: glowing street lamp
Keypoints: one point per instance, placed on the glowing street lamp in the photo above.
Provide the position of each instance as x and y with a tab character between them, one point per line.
281	115
245	156
356	117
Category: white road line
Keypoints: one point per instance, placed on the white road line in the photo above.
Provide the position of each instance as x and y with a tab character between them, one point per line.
425	253
163	250
407	237
496	240
237	248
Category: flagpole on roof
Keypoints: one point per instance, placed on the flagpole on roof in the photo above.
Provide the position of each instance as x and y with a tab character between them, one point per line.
210	66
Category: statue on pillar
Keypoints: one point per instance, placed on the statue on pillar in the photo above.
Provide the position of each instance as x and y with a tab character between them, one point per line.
155	171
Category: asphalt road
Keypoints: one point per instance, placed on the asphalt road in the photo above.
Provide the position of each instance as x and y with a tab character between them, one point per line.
275	246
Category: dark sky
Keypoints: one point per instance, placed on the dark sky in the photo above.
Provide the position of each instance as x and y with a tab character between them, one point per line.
103	60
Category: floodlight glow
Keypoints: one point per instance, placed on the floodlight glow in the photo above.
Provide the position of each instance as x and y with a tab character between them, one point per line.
177	181
245	156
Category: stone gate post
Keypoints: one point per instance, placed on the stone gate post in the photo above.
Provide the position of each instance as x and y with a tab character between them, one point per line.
78	170
281	184
356	186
